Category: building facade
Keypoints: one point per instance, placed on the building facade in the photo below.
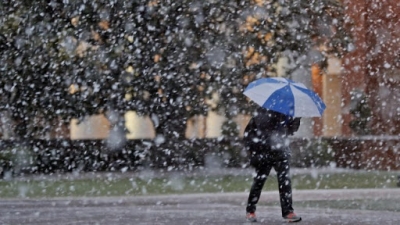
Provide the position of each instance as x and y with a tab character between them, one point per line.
374	66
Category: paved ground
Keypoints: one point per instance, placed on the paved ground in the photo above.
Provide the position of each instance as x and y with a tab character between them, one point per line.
224	208
186	209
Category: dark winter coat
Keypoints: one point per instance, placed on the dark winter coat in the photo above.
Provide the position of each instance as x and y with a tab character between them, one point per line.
266	134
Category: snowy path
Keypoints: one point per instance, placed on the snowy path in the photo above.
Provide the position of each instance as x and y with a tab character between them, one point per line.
224	208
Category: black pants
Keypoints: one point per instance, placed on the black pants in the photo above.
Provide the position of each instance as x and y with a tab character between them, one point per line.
282	168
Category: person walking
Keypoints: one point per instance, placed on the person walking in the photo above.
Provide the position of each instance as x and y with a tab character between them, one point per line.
265	139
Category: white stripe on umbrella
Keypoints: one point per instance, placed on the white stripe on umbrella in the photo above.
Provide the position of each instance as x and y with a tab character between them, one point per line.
259	92
303	99
285	96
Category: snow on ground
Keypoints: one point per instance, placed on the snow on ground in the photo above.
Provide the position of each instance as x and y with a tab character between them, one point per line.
205	208
223	208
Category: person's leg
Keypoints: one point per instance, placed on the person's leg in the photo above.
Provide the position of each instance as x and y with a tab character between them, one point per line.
262	173
282	169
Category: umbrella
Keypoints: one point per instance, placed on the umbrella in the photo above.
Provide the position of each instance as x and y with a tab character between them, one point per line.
285	96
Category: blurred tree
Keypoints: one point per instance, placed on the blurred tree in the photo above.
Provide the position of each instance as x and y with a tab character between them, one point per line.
274	29
165	59
32	83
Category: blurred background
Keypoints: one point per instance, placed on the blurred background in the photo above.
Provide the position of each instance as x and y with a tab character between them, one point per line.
125	85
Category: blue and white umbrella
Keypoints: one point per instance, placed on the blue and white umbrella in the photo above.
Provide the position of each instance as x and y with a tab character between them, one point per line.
285	96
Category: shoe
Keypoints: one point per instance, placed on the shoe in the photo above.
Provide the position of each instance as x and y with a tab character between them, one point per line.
292	217
251	217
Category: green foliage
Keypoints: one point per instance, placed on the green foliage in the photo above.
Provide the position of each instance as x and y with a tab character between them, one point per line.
361	113
14	160
33	72
6	162
312	153
140	184
230	128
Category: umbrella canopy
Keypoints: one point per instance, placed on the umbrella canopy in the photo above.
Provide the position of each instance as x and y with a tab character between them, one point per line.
285	96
